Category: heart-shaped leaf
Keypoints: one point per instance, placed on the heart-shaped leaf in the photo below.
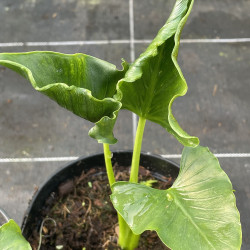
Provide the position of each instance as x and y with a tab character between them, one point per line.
197	212
11	237
80	83
154	80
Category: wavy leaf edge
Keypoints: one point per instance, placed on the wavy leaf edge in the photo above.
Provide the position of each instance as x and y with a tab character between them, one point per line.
117	104
177	131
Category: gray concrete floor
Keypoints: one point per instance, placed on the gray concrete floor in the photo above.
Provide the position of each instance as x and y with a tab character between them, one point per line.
216	107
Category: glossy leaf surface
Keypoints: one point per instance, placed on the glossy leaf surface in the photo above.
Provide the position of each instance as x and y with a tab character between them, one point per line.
11	237
80	83
197	212
154	80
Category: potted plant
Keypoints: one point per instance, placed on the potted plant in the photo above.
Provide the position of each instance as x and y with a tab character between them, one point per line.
199	210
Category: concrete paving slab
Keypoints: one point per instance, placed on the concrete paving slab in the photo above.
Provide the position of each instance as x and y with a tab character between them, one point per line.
208	19
18	183
66	137
56	20
216	106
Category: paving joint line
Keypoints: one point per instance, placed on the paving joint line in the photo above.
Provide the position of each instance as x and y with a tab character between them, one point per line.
72	158
218	155
132	55
130	41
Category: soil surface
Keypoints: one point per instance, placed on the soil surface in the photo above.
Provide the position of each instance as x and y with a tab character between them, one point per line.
81	216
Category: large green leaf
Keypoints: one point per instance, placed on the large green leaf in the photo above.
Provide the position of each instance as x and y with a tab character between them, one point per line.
154	80
197	212
80	83
11	237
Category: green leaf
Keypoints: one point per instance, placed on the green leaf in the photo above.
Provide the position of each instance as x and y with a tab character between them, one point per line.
197	212
80	83
154	80
11	237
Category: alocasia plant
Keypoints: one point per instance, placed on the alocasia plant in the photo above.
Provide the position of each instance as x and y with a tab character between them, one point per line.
198	211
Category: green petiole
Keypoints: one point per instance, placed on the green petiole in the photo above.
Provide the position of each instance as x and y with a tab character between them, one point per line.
108	164
127	239
137	150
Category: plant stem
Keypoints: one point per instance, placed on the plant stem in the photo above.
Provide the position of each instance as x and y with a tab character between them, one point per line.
137	150
127	239
108	164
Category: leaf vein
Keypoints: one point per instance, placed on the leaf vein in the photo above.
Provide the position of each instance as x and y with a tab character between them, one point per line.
178	204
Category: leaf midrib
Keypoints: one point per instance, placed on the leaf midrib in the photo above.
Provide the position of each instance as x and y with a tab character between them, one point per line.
153	81
183	210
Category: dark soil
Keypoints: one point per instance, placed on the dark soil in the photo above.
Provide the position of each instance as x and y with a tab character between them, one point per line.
82	216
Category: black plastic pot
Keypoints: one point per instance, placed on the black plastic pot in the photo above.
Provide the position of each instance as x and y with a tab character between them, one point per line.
156	164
